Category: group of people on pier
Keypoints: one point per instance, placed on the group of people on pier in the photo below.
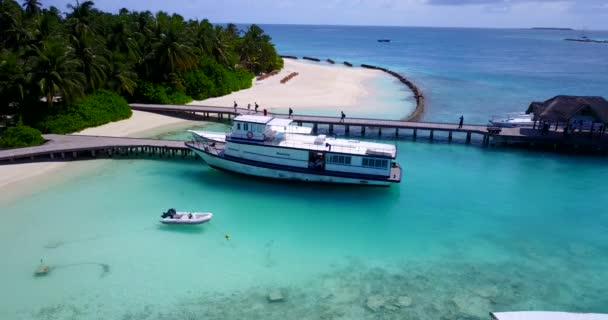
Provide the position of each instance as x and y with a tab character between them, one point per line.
256	107
290	111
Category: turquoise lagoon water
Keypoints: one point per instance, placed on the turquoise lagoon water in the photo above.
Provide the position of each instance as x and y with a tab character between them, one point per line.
468	231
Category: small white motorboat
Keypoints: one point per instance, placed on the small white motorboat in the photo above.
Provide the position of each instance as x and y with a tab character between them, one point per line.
176	217
513	120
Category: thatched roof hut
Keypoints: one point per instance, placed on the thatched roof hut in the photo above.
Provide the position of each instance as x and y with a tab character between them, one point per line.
565	108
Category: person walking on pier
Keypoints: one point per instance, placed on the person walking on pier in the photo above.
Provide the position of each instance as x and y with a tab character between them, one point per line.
342	116
290	113
235	105
461	121
248	106
265	112
256	107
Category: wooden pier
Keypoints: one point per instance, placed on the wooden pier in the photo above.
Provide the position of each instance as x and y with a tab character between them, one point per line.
469	133
76	147
333	125
73	147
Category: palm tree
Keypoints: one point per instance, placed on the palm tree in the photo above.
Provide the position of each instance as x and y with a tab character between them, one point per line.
32	7
79	20
170	51
121	39
121	77
12	78
54	71
257	52
93	64
15	32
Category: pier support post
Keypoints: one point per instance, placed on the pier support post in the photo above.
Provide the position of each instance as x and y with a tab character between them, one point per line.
396	132
52	156
362	131
74	155
93	153
450	136
415	133
468	137
331	128
432	135
315	128
379	132
347	129
62	156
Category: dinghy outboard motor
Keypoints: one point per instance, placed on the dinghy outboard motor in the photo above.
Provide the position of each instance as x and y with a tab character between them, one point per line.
169	214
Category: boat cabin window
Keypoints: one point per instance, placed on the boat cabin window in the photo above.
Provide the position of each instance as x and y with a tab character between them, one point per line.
245	126
336	159
375	163
316	160
238	126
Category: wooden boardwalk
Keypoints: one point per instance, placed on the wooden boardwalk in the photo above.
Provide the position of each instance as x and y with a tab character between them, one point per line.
363	124
399	128
72	147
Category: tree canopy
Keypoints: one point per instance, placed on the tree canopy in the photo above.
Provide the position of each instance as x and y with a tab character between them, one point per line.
50	59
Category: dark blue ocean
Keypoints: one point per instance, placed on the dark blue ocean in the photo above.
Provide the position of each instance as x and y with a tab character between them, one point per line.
474	72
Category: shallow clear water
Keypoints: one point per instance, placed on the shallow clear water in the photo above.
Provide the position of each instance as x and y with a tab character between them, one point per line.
469	231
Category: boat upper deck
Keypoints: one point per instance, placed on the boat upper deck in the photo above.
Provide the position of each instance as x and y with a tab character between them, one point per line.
278	132
323	143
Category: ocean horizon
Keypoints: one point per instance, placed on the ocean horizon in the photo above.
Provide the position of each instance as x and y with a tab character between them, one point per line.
468	231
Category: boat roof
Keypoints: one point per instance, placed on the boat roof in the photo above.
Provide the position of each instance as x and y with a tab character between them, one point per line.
279	122
545	315
320	142
253	119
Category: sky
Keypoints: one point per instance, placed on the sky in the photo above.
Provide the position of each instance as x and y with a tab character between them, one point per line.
577	14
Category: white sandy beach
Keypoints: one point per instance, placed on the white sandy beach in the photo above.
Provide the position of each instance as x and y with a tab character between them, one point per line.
316	85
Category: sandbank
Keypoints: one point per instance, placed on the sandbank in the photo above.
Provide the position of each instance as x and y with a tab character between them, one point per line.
140	124
317	85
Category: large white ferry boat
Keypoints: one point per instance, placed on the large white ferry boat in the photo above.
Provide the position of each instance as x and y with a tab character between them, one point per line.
273	148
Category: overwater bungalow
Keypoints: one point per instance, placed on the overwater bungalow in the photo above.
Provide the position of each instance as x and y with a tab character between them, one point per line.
571	114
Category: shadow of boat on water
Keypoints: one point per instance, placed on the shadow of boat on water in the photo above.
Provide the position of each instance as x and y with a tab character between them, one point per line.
183	228
236	182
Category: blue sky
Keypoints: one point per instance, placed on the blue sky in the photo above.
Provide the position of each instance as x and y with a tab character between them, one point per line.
579	14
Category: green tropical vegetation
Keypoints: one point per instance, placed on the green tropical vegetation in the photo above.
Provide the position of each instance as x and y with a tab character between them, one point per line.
64	71
20	136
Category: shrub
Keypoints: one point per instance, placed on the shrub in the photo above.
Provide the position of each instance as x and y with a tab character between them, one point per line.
161	93
21	136
94	110
211	79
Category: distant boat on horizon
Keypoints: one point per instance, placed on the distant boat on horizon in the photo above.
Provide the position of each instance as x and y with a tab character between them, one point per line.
549	28
384	40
